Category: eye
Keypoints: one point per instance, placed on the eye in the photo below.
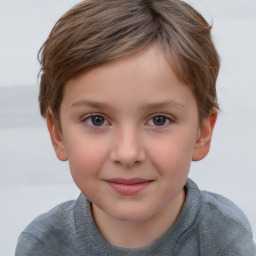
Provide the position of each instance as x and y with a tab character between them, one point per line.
159	120
96	120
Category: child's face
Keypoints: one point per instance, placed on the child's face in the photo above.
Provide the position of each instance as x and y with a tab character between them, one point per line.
130	130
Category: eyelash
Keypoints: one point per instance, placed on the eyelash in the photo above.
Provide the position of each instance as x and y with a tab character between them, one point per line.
89	120
167	120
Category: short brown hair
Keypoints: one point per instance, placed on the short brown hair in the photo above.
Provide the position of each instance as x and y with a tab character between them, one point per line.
98	31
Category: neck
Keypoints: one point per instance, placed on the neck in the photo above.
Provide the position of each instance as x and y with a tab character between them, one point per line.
134	234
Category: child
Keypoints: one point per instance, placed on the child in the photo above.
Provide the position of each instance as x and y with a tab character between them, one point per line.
128	93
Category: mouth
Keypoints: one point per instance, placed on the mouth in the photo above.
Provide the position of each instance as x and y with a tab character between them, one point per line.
128	186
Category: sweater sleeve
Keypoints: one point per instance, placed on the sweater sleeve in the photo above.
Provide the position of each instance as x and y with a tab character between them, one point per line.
29	245
227	226
241	245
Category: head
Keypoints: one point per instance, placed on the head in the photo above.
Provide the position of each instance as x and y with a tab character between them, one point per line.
128	91
97	32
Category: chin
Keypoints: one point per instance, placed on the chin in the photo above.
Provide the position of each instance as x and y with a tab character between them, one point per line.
131	215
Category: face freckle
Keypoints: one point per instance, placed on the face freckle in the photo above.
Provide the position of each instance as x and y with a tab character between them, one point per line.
130	155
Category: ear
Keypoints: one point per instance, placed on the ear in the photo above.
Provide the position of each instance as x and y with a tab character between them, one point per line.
204	138
56	137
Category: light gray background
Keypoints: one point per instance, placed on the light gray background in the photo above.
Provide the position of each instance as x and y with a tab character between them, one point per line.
32	180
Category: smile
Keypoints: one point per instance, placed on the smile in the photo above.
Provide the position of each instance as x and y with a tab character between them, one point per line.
128	187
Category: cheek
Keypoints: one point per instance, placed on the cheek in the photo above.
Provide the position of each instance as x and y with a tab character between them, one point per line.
85	157
85	163
174	154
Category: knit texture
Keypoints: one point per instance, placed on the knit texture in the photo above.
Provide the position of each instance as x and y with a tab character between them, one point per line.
208	224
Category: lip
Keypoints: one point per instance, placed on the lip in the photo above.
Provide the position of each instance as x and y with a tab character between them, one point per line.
128	186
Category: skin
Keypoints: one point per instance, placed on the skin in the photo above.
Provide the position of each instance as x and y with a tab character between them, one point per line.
146	131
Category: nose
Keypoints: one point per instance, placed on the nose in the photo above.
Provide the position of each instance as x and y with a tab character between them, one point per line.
127	148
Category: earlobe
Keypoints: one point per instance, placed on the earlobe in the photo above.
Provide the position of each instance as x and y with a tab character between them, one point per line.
203	141
56	137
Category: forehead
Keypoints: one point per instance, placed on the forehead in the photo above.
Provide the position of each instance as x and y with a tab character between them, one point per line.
149	63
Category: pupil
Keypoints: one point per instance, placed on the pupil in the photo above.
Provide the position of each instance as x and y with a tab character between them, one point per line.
97	120
159	120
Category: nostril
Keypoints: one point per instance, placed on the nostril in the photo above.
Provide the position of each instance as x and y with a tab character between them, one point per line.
127	164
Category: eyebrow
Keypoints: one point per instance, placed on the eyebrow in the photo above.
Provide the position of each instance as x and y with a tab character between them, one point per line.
147	106
163	104
93	104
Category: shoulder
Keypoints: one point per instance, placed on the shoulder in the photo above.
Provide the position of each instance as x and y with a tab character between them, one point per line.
49	231
224	210
217	207
58	219
223	227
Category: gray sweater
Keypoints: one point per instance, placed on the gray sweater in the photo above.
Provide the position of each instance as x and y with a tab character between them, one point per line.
208	224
